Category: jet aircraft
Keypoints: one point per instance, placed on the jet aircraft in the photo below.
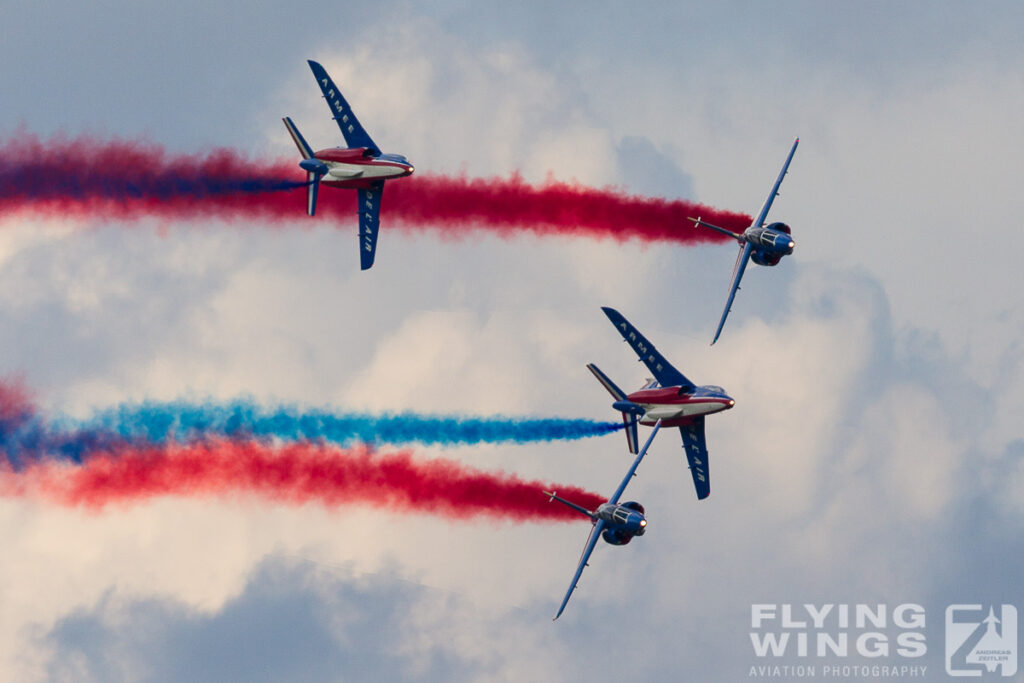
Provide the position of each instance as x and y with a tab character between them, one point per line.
765	245
617	523
360	166
669	399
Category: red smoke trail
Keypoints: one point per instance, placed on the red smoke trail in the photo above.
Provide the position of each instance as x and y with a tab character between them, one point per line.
293	474
90	179
510	206
16	405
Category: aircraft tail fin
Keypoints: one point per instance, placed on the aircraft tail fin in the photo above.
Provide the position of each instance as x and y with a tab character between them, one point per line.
553	496
629	417
698	222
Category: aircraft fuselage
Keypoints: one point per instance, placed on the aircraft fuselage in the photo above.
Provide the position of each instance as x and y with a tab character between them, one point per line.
358	168
623	521
770	243
675	409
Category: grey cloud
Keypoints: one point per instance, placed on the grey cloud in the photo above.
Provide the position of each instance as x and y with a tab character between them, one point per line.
183	73
647	170
291	622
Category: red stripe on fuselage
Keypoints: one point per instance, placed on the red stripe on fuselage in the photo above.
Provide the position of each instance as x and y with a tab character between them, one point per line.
671	397
356	158
354	155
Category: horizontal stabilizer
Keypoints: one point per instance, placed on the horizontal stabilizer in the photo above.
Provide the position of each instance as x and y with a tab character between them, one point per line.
553	496
698	222
630	411
304	149
617	394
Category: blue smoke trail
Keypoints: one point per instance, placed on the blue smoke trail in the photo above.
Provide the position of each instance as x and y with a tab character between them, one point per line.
182	421
29	438
86	169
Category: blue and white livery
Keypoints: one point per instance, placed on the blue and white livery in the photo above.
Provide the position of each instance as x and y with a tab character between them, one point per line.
764	245
617	523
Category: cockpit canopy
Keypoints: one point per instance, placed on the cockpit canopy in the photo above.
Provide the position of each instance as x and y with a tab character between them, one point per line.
633	505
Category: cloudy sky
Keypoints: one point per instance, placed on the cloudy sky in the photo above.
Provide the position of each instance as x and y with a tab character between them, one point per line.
875	454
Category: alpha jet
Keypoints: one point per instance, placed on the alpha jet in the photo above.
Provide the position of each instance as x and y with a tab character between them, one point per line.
764	245
668	398
617	523
360	166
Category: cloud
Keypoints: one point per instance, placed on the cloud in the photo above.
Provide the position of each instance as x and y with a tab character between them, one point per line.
452	108
292	621
831	453
850	468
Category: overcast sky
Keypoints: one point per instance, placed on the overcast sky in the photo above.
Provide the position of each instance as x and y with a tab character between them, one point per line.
875	454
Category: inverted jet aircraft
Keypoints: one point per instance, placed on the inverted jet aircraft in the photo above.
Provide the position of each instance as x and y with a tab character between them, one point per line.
669	399
765	245
617	523
360	166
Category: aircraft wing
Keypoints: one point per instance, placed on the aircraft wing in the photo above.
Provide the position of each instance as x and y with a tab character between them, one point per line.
636	463
355	135
697	456
737	274
369	222
662	370
595	533
759	221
